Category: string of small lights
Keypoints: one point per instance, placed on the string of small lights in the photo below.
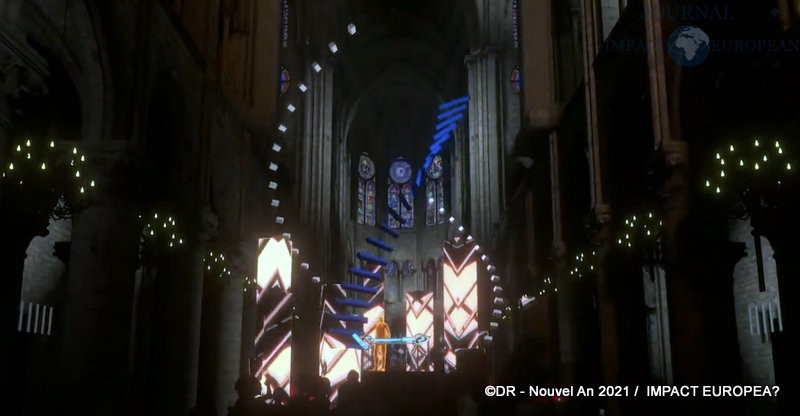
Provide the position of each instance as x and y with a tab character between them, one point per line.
29	157
547	287
582	264
217	265
640	231
762	163
160	231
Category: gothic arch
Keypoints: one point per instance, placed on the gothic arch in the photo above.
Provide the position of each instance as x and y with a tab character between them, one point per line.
71	32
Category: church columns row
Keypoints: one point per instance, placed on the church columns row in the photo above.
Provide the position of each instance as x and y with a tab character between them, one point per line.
485	142
105	353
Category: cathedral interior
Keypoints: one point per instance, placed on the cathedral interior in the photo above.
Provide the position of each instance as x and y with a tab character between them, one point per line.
477	207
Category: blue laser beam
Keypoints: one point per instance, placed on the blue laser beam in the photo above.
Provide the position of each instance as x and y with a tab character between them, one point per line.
418	339
451	120
450	113
453	103
360	342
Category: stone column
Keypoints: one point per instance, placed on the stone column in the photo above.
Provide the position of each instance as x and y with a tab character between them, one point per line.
317	154
564	299
176	341
485	142
95	338
607	309
781	230
221	344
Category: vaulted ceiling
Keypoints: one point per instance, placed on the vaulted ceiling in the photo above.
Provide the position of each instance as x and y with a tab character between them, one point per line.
407	57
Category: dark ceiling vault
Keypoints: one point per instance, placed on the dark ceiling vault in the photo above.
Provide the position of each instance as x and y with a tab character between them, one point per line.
407	58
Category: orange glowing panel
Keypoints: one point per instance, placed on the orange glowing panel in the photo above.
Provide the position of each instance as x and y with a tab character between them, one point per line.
460	299
337	355
273	345
419	321
336	360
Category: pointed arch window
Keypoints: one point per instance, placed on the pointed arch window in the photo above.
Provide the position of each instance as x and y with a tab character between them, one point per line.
434	193
366	191
400	195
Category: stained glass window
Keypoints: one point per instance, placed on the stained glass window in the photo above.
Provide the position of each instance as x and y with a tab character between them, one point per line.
400	195
366	191
434	193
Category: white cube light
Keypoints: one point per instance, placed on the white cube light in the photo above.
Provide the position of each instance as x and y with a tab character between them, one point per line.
295	251
469	238
461	228
282	128
272	185
451	219
497	290
494	325
497	313
273	167
286	236
304	266
276	147
490	268
291	108
484	257
495	278
317	67
351	29
279	220
316	279
499	301
302	87
332	46
488	338
275	203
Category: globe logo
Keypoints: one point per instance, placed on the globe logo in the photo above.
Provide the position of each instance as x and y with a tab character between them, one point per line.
689	46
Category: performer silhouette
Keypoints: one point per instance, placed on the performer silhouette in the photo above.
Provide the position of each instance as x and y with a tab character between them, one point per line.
379	350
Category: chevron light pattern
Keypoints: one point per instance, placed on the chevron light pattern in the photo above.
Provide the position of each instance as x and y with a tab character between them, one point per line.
419	321
460	298
274	302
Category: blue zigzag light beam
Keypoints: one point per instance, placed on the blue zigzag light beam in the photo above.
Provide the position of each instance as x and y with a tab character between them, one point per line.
450	114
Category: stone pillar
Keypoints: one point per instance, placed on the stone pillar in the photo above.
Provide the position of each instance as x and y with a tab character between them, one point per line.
781	230
607	309
485	142
176	341
95	338
317	154
221	344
